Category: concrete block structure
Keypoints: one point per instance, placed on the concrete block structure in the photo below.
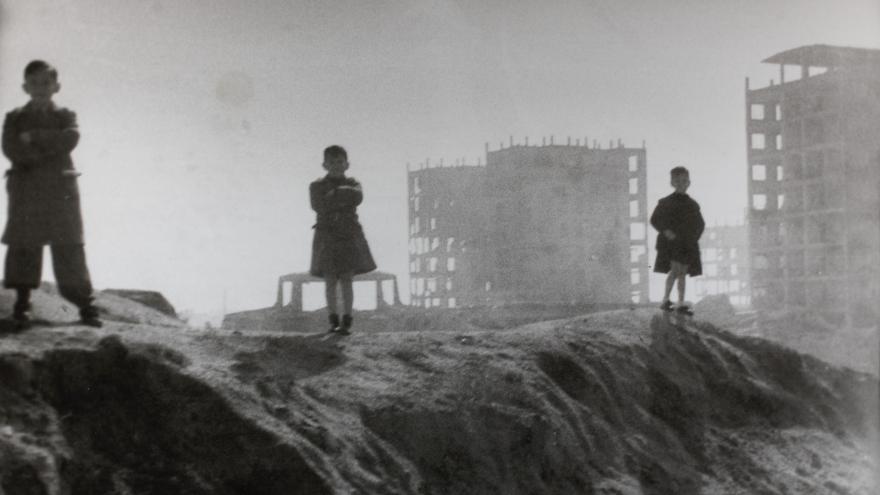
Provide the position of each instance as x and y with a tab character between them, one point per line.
446	226
725	254
553	224
813	163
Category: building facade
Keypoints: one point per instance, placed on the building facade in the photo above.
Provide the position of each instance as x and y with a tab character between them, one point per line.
446	225
813	162
555	224
725	255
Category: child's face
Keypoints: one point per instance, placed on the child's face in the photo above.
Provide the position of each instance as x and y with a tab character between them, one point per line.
336	165
681	182
41	86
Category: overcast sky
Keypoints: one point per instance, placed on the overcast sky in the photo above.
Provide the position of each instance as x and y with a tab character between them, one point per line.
203	121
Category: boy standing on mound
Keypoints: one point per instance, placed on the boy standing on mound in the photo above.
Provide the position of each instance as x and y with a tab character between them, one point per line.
339	248
679	225
44	198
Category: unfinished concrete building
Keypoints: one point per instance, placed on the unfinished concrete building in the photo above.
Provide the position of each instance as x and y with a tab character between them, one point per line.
813	163
446	224
554	224
725	254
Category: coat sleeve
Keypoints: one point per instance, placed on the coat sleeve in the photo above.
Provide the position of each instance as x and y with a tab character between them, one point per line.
62	140
700	224
350	194
660	217
14	148
316	197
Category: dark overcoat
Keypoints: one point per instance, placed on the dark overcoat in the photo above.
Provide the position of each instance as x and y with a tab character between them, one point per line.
44	205
679	213
339	245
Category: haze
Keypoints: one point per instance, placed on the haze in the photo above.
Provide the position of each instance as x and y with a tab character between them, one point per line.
203	121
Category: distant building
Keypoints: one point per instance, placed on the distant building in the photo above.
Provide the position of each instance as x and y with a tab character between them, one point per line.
549	224
725	256
447	221
813	168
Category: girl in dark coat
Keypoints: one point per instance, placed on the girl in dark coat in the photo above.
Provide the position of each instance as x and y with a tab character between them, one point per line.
339	248
679	225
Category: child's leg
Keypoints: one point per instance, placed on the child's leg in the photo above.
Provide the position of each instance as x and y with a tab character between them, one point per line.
670	281
22	301
72	274
330	292
22	272
680	271
681	283
347	292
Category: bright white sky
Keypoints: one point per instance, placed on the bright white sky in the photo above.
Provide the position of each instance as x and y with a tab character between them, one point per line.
203	121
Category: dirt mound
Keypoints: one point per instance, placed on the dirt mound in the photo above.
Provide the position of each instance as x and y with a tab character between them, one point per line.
808	332
612	402
50	309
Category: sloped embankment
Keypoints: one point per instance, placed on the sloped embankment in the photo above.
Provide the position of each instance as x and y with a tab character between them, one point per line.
615	402
110	421
595	405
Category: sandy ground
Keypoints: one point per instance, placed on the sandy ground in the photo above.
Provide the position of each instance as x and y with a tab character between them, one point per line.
616	402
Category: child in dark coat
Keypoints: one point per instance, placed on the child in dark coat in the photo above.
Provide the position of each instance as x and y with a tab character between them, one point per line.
44	198
679	225
339	248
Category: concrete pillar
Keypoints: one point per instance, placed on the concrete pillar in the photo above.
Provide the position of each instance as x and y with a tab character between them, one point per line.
380	296
805	71
296	296
279	299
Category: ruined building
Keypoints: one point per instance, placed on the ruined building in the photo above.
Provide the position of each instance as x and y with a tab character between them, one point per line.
813	162
725	254
548	224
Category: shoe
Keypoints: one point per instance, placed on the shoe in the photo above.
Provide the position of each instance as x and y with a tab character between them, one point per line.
685	310
89	316
334	322
22	321
21	315
666	306
344	329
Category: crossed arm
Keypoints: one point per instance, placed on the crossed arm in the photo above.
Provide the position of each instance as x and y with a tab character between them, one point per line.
337	198
33	145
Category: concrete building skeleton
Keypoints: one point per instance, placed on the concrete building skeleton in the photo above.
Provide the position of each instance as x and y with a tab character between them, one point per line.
725	254
553	224
813	168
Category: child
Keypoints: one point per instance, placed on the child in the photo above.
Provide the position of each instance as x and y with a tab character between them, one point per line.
44	198
679	225
339	248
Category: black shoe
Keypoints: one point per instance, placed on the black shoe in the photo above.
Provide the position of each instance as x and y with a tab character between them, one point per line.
666	306
89	316
334	322
21	315
685	310
22	321
345	328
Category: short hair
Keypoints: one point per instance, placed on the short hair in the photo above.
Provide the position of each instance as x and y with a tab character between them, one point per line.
677	171
35	66
334	151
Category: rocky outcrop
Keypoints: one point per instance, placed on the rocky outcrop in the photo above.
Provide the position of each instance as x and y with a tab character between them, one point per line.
148	298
